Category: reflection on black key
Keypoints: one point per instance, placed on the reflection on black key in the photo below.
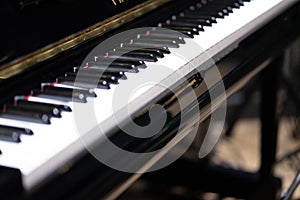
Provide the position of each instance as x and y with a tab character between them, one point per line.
63	94
195	25
95	72
217	14
155	43
240	2
163	49
228	4
229	9
203	22
156	52
178	39
198	16
118	63
20	100
166	34
235	5
113	67
111	78
187	33
181	28
214	8
165	31
83	82
136	64
40	107
9	136
53	112
86	82
183	31
85	77
24	131
134	56
12	112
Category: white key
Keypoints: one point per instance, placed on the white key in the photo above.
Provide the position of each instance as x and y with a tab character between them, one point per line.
53	145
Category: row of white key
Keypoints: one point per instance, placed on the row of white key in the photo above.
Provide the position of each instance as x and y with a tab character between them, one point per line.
53	145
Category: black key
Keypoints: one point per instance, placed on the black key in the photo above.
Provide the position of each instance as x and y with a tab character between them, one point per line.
155	43
9	136
195	15
113	67
11	112
87	72
164	50
198	21
157	31
134	56
226	5
156	52
100	76
53	108
215	8
183	33
61	108
88	79
187	33
83	82
240	2
204	19
217	14
109	62
64	94
209	9
224	11
24	131
187	24
178	39
234	3
192	30
166	34
53	112
229	9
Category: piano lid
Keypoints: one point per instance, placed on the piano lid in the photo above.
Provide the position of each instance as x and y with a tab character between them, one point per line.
35	30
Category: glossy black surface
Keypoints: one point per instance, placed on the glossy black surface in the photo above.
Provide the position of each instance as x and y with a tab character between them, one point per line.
37	25
93	174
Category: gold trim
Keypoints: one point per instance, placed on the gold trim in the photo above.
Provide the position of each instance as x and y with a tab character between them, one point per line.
19	65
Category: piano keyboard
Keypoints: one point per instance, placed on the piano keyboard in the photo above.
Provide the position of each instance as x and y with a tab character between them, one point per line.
31	135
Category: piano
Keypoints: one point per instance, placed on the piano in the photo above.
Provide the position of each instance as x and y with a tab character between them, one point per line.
76	75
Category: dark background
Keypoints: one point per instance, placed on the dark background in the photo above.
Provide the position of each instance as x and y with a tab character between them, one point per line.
28	25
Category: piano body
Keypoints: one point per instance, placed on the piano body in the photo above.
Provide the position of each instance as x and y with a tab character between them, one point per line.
44	46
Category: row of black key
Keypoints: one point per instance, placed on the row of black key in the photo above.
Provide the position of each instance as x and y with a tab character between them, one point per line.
127	58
